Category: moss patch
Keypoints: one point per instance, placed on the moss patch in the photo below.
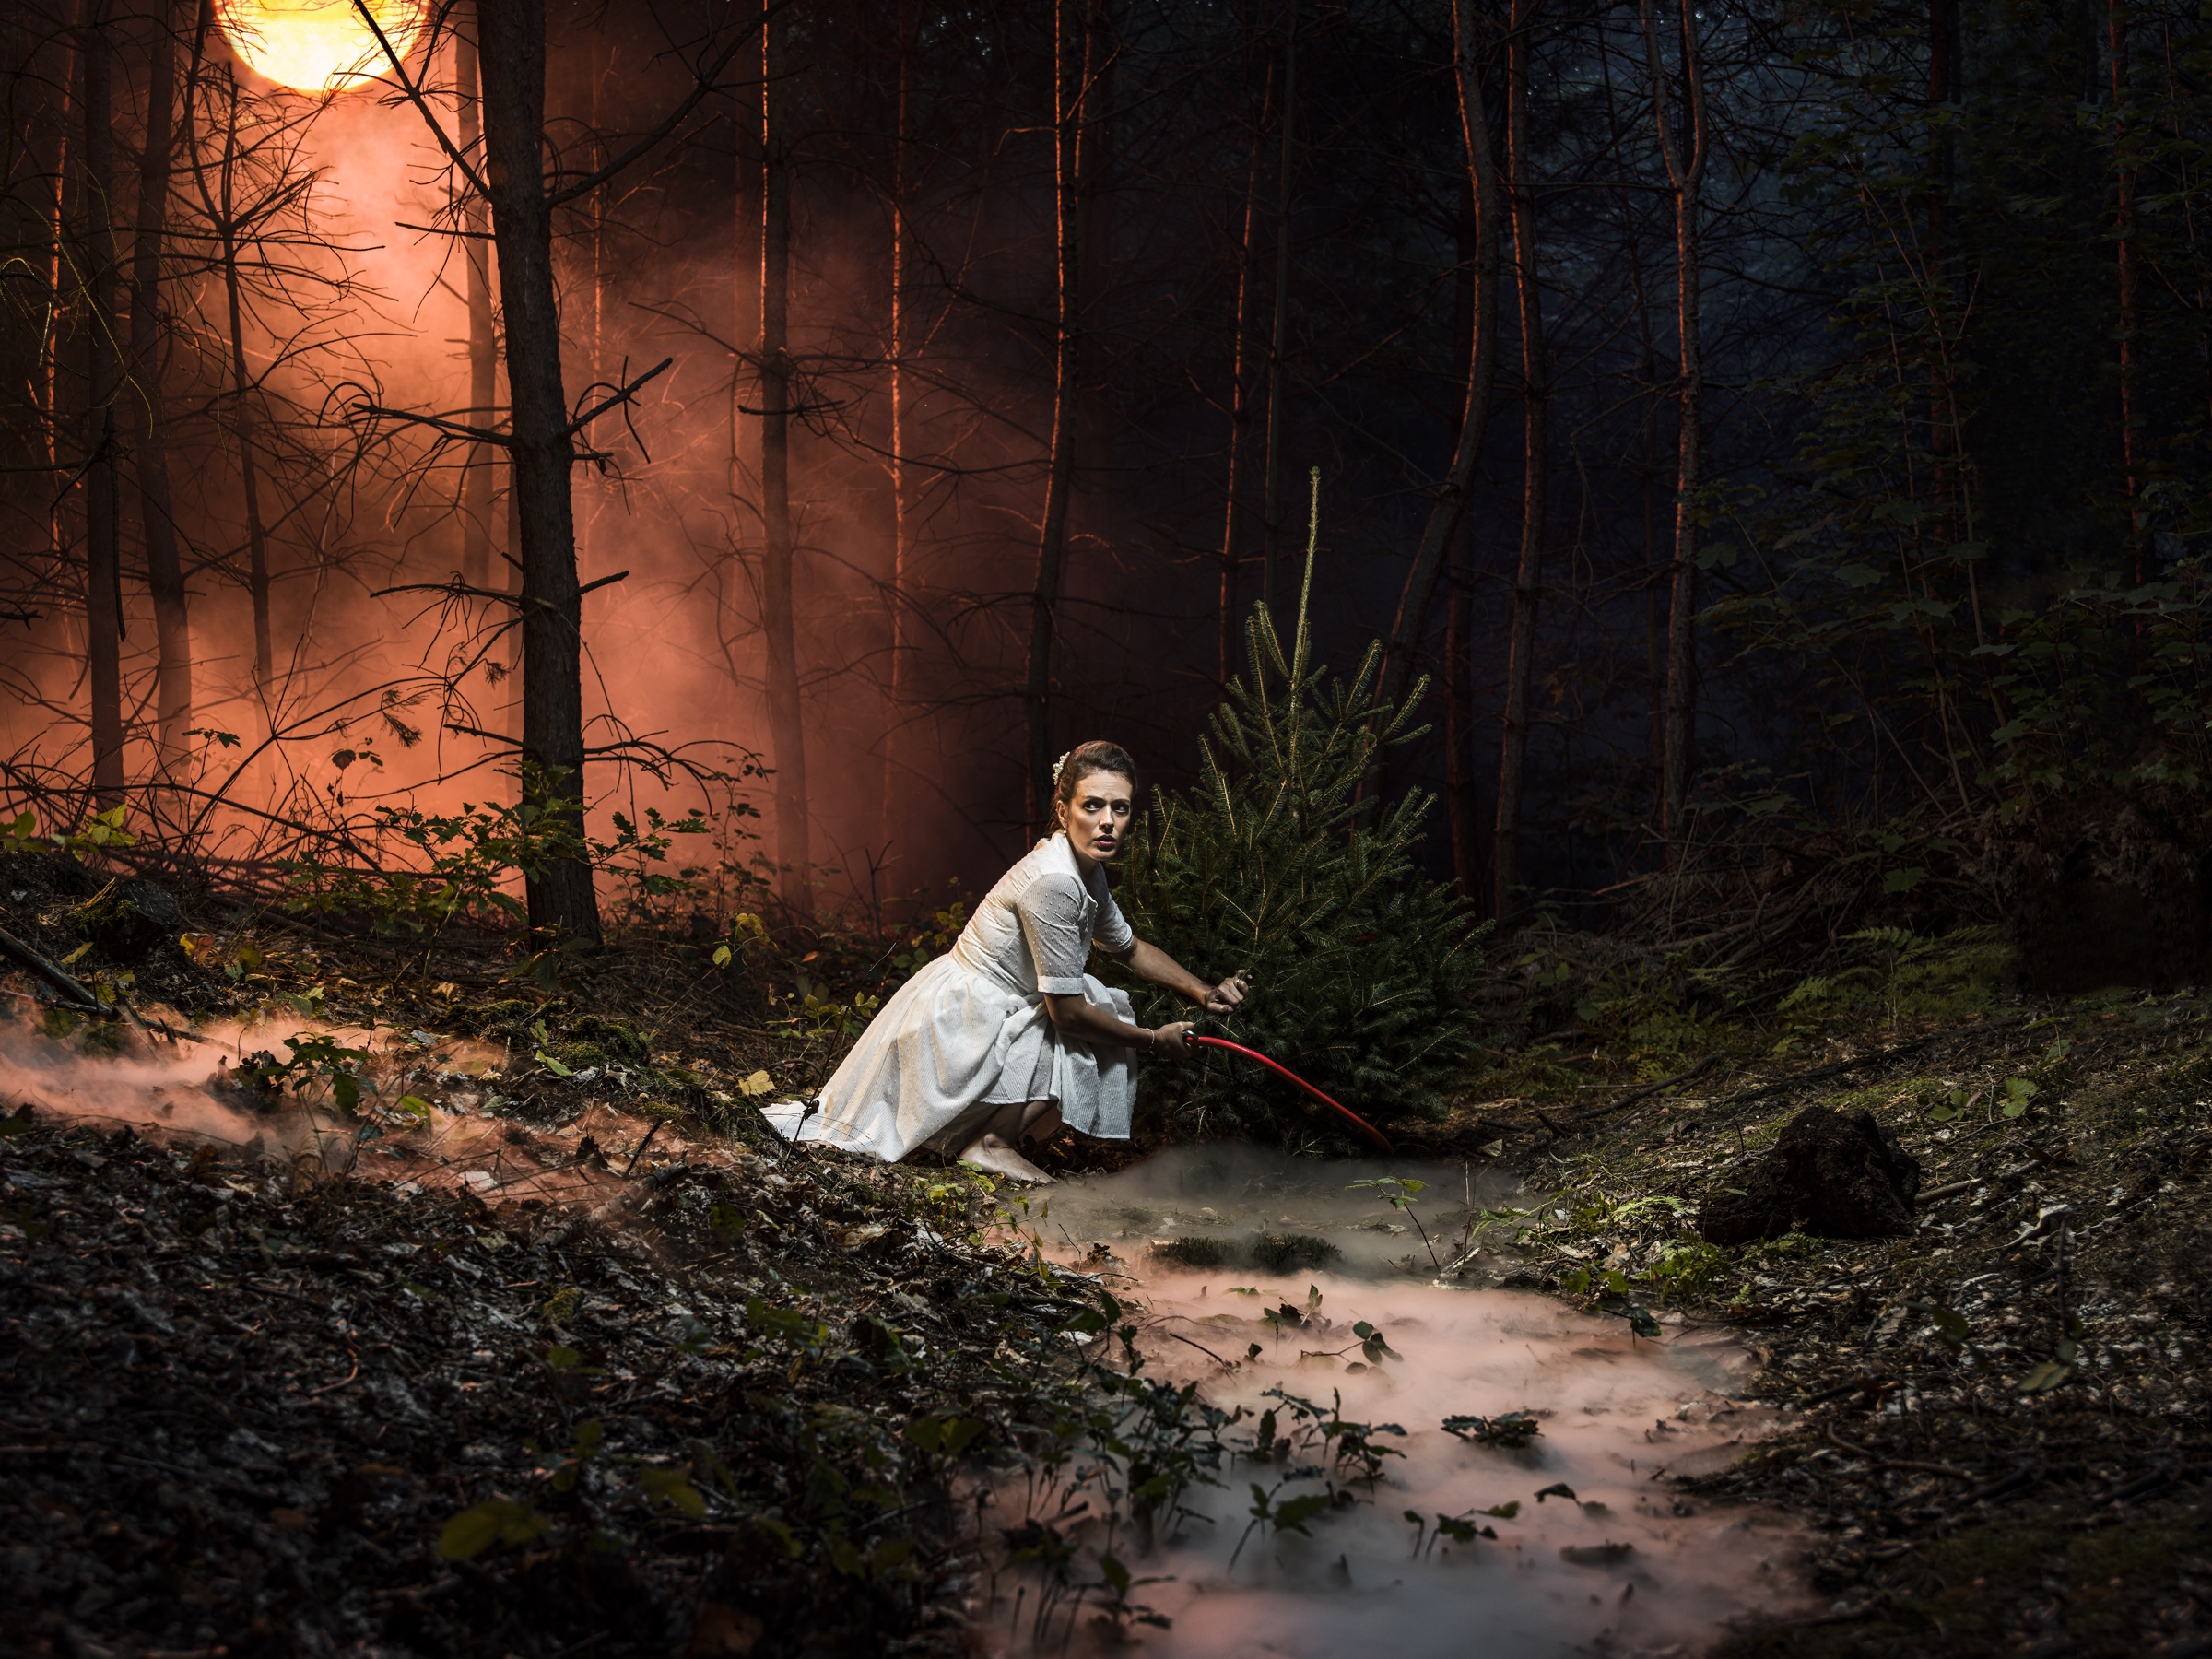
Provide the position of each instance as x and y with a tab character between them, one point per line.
1292	1252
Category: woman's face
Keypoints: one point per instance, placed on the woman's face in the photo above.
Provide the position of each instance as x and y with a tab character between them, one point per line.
1097	815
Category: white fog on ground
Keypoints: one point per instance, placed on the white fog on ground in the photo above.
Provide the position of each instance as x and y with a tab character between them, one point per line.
1622	1567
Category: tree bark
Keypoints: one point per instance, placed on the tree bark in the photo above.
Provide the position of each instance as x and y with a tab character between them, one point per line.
242	406
479	482
599	66
2123	251
786	738
1535	468
513	66
1943	436
164	572
745	300
1239	405
53	325
902	481
1685	155
1069	36
1451	502
103	374
1271	519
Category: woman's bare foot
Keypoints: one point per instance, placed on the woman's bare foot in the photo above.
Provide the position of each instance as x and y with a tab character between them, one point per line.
991	1152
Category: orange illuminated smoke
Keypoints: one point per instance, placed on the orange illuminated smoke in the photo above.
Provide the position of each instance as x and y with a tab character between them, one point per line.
318	45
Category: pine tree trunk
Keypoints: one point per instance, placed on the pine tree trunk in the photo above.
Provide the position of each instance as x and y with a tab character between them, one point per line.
513	66
164	572
2123	251
786	738
1451	502
600	65
479	482
1685	155
902	507
745	300
1051	543
56	166
104	375
1461	791
1536	466
241	408
1943	438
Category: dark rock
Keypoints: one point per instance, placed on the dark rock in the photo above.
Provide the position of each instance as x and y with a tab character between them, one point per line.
1834	1174
128	919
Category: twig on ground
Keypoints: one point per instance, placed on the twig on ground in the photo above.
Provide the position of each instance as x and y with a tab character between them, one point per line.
1661	1086
632	1164
1948	1470
46	970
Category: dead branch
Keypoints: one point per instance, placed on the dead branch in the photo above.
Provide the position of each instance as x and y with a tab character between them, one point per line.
622	394
46	970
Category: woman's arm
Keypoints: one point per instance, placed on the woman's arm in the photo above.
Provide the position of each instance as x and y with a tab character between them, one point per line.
1150	963
1076	1017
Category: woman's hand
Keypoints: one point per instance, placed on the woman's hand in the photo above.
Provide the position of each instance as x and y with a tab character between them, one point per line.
1169	1040
1224	997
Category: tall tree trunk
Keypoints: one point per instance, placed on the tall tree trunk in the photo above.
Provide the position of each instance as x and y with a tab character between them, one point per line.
1685	155
53	325
104	376
785	736
1069	36
2124	249
1536	466
513	66
1461	802
1271	517
1648	465
1451	502
1943	436
1239	402
164	572
479	482
1462	797
600	65
745	298
242	406
900	344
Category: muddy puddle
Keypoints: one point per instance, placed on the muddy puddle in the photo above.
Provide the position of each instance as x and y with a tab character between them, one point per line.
1423	1541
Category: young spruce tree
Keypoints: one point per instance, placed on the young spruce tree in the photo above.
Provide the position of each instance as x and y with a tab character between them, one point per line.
1274	864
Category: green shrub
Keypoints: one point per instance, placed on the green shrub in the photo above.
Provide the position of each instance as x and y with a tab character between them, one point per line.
1272	864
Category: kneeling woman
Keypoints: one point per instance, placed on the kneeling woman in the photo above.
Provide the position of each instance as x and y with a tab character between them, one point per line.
1005	1038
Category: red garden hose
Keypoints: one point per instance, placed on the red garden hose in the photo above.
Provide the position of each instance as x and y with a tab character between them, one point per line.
1364	1127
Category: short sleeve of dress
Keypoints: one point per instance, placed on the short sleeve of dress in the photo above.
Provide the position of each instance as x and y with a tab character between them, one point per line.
1052	921
1111	930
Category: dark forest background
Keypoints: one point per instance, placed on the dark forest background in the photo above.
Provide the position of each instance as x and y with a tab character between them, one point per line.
1000	344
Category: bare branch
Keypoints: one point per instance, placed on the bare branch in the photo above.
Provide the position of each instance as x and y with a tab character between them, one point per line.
621	396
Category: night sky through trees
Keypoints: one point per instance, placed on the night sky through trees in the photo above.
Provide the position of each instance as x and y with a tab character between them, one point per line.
887	394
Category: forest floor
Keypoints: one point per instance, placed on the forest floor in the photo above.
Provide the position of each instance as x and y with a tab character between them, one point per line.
1999	1422
553	1350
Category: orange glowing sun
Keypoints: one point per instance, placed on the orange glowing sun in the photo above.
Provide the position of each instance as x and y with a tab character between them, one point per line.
318	45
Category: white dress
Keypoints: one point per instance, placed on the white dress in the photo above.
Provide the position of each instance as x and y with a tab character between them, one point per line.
969	1033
